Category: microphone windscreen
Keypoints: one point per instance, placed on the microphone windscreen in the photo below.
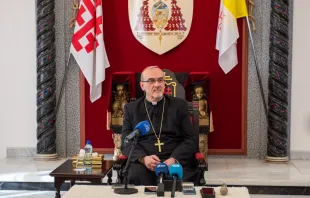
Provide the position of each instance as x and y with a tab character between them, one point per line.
176	170
161	168
144	127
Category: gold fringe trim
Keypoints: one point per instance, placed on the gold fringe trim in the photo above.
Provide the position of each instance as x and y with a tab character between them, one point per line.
75	8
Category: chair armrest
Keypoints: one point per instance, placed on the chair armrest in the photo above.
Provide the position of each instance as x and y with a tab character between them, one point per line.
202	167
202	164
118	166
120	163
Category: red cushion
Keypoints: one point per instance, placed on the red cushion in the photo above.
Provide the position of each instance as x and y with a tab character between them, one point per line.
199	155
123	157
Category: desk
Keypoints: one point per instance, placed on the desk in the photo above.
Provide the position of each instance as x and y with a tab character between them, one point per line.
66	172
83	191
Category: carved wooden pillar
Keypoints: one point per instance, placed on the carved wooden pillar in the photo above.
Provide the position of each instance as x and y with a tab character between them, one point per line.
278	83
46	80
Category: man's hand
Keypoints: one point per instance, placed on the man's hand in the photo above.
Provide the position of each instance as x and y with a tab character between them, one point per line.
170	161
151	161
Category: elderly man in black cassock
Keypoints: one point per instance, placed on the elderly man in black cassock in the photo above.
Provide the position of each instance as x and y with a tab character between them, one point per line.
171	138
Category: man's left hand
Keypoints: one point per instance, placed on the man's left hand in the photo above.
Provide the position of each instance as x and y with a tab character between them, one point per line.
170	161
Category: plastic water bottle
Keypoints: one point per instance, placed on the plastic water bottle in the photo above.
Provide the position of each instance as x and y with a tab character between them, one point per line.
88	156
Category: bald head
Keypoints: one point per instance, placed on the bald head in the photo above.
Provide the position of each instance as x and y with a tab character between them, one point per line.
150	69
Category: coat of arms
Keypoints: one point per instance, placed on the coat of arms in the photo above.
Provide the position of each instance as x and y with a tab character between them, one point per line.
160	25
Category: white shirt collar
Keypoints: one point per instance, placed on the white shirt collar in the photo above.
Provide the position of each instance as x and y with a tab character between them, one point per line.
155	103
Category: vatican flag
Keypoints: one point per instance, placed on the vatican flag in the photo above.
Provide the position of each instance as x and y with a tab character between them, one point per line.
227	32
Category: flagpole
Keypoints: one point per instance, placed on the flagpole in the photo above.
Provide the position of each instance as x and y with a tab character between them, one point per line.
257	69
63	83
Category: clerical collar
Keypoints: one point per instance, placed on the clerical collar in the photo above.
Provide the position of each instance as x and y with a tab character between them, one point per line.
155	103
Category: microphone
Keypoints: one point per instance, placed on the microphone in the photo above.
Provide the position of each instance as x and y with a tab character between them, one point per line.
161	170
141	129
176	172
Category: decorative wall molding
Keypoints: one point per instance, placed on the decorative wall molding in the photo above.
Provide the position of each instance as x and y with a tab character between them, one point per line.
20	152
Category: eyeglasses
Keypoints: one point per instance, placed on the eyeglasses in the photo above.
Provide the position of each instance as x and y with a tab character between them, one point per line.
153	80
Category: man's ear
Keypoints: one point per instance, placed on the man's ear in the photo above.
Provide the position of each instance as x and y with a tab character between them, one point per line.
141	85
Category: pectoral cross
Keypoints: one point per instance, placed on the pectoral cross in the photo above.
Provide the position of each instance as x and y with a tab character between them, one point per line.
159	144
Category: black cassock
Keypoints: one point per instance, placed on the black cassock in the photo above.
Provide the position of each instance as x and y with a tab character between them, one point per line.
178	137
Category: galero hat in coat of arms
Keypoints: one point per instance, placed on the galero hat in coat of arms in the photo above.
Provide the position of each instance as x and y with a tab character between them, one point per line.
160	25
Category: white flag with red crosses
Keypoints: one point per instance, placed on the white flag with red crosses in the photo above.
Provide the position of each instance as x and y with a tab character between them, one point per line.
87	45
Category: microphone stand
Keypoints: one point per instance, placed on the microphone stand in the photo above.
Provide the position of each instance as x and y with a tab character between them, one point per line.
161	187
173	186
126	190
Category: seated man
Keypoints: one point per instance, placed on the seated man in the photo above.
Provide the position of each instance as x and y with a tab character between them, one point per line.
171	138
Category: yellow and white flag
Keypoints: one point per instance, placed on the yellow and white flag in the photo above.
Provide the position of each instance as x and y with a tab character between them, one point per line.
227	32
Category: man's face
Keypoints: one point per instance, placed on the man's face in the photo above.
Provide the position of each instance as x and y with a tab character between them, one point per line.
155	85
199	92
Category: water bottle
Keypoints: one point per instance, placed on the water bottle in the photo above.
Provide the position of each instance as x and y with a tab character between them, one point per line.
88	156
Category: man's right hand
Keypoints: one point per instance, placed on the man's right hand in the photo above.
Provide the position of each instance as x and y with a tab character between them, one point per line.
151	161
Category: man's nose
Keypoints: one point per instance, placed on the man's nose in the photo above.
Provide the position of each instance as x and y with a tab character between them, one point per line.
157	83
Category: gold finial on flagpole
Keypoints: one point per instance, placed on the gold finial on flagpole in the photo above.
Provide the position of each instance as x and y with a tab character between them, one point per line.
75	8
251	17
